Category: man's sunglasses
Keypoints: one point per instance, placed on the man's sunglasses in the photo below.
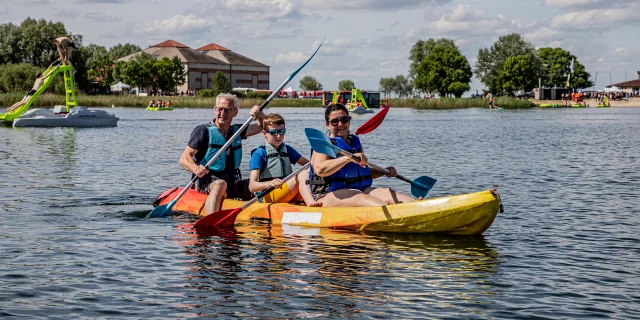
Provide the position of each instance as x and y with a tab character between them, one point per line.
275	132
344	120
221	110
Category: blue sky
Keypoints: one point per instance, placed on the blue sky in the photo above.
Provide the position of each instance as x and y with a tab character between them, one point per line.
366	39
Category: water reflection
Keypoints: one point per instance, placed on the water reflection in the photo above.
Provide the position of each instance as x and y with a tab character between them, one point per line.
334	273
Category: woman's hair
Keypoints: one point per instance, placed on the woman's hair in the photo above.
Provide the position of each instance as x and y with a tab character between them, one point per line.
334	107
39	74
272	119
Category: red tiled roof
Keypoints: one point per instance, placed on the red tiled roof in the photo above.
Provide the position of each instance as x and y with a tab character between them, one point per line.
212	46
170	44
632	83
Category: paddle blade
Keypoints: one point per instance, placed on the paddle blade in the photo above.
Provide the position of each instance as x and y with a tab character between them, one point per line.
421	186
222	218
322	146
161	211
374	122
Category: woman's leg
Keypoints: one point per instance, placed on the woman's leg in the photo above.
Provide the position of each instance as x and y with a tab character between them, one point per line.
388	195
349	198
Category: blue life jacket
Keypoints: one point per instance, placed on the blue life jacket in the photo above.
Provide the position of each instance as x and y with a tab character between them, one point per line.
216	141
351	175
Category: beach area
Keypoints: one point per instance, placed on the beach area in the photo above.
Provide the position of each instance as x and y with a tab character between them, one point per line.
633	102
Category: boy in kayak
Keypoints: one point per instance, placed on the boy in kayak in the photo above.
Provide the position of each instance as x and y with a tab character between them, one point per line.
271	162
342	182
222	179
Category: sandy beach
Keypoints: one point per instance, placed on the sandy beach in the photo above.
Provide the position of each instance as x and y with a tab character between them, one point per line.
633	102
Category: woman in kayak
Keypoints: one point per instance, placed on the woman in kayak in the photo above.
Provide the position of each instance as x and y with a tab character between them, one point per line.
342	182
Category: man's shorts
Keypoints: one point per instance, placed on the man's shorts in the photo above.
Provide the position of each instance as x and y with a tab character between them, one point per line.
236	189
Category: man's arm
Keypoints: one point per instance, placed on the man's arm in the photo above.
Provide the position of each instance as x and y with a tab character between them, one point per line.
186	161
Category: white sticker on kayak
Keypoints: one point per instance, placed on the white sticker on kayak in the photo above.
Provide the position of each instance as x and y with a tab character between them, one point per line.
437	201
301	217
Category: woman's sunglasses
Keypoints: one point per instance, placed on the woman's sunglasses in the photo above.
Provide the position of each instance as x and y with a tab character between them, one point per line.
275	132
344	120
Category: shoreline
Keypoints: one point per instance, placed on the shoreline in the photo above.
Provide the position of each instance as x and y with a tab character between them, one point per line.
631	103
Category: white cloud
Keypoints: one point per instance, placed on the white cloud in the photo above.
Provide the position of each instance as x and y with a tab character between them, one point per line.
175	26
370	5
291	57
542	34
586	3
598	19
101	17
463	21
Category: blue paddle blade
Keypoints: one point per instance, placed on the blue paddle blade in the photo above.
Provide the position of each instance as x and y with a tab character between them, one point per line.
321	146
161	211
302	66
421	186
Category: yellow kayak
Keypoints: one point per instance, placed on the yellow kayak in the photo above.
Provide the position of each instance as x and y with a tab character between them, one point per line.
159	108
467	214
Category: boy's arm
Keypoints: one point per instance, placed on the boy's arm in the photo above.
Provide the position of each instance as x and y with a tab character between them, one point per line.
302	161
256	186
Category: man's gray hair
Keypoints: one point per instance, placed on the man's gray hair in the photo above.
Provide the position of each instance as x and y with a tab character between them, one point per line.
229	97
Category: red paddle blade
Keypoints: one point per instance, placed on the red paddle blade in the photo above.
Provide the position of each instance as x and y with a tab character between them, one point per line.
222	218
374	122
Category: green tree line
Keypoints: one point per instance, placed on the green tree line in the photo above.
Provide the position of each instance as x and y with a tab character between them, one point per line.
509	65
25	50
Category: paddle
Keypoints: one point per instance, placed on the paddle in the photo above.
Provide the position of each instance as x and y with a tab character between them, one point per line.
165	210
224	218
420	186
374	122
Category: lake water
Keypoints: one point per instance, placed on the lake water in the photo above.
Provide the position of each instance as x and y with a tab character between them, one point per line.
75	243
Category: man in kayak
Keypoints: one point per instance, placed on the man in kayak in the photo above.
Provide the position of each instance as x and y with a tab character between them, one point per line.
271	162
222	179
342	182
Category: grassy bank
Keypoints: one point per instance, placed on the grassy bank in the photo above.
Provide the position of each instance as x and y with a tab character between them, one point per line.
462	103
50	100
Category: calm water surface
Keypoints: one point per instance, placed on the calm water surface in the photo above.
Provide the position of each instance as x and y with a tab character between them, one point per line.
75	243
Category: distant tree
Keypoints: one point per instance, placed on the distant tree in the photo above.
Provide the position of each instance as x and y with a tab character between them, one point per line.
310	83
17	77
10	40
387	85
491	60
36	47
346	85
121	50
445	70
402	86
421	50
137	72
169	74
554	68
221	83
517	73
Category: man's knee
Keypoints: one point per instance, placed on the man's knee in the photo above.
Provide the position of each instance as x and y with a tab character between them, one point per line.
218	185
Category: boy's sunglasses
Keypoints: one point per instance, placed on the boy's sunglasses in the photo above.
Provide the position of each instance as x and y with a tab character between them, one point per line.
275	132
344	120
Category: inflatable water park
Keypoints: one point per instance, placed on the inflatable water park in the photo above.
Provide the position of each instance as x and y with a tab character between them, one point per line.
69	115
357	104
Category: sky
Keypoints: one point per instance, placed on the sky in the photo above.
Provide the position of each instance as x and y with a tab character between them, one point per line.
365	39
